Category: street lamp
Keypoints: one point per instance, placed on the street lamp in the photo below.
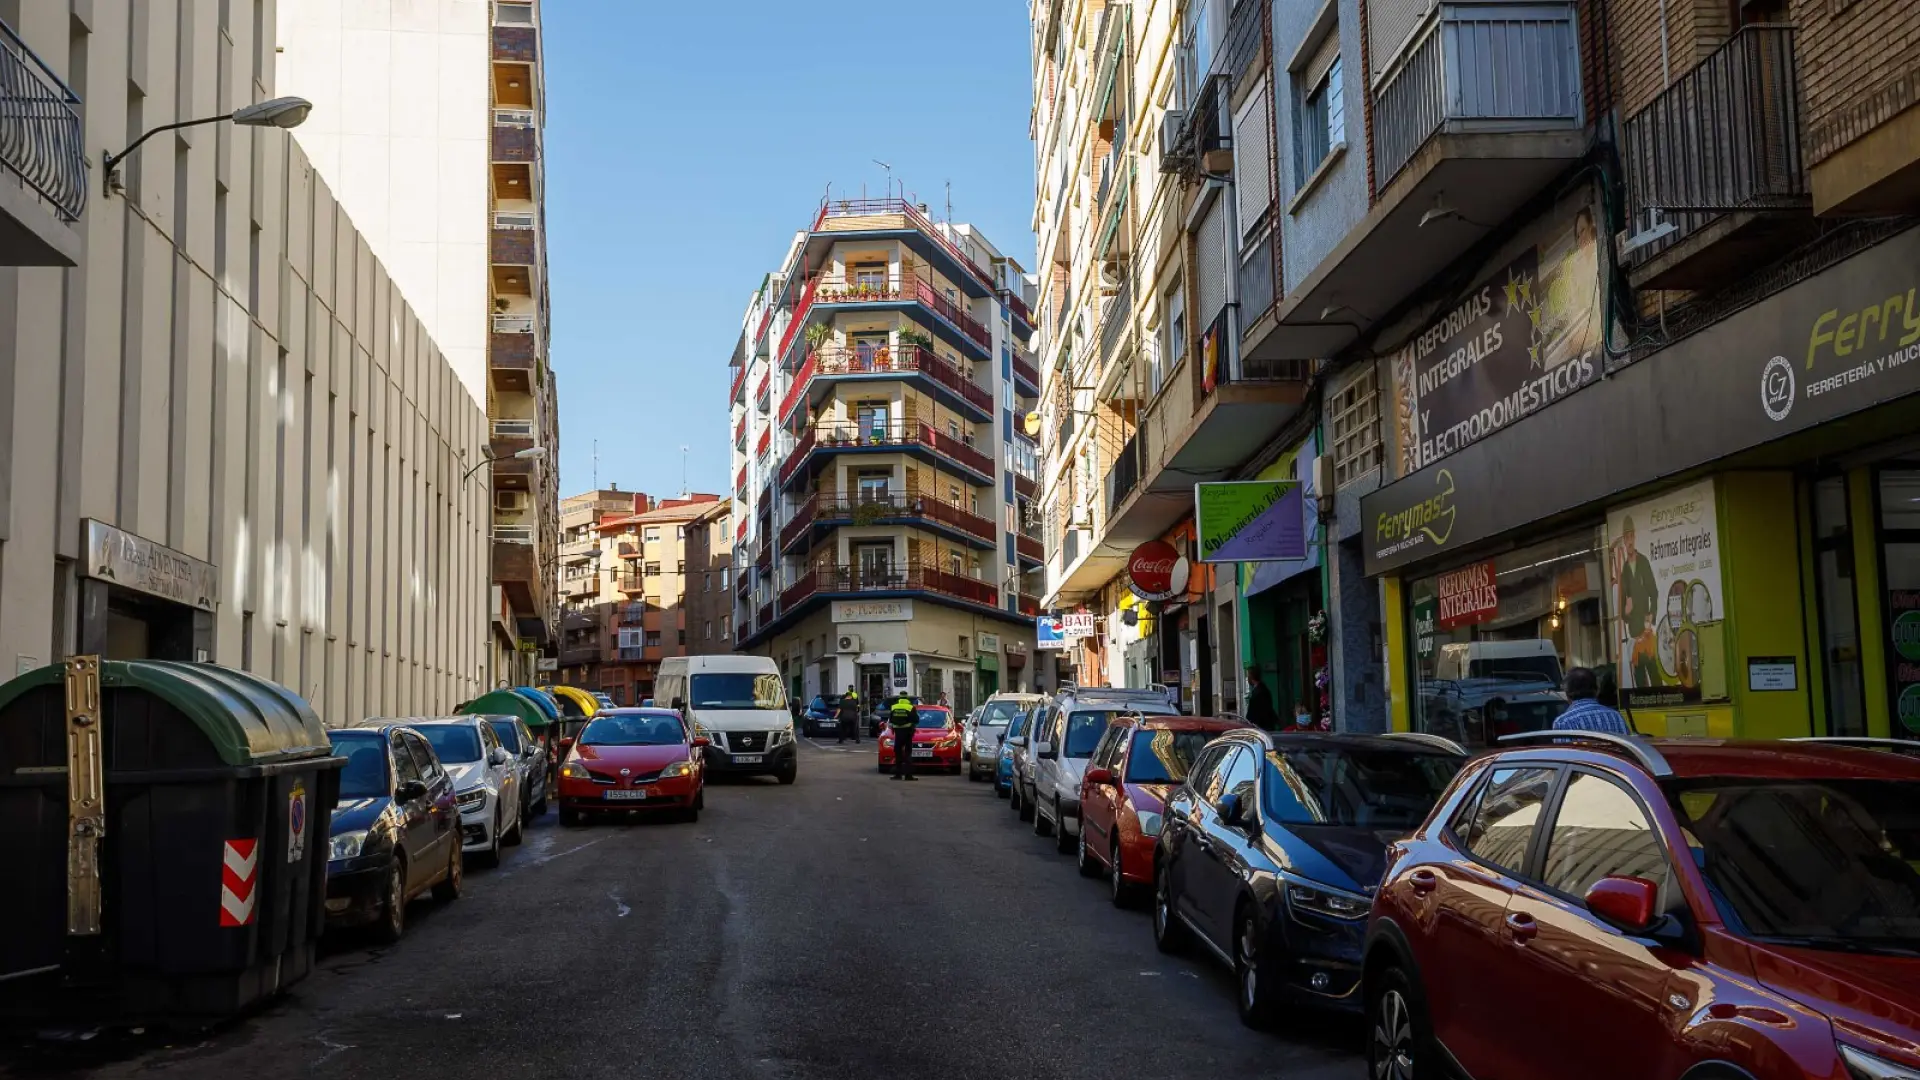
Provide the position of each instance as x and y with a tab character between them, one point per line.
531	453
281	112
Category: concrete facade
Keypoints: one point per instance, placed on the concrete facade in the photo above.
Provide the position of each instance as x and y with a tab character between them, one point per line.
230	373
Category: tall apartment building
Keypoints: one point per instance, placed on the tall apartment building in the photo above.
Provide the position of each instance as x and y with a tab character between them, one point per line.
709	585
225	434
882	482
1154	215
427	119
645	620
586	583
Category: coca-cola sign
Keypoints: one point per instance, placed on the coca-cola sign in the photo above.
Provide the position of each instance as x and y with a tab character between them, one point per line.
1156	571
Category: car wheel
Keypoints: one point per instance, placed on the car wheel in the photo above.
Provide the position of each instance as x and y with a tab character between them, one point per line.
448	890
1169	933
789	774
491	856
540	808
569	818
1398	1041
690	815
1062	843
1085	862
973	775
883	766
1026	803
1118	890
1002	792
700	797
1255	995
393	904
518	832
1040	825
1013	798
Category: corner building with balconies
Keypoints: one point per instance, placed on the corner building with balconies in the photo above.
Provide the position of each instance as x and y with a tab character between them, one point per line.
883	493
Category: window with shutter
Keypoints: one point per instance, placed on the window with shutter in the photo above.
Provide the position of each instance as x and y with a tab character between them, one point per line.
1390	25
1253	159
1210	264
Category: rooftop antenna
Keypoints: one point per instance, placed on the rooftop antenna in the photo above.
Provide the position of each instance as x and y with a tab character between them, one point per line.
684	490
596	464
889	169
949	202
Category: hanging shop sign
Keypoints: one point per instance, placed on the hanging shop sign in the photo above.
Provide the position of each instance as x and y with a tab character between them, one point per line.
1077	624
988	643
1157	571
1903	624
1663	577
1250	521
1047	633
1837	344
1525	337
1468	596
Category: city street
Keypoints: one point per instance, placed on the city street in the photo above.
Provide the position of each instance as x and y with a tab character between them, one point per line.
847	926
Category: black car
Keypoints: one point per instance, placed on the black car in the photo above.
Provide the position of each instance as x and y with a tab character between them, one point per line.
395	831
1271	850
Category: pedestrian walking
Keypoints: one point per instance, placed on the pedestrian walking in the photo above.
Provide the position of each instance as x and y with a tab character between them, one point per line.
850	716
903	720
1585	713
1260	710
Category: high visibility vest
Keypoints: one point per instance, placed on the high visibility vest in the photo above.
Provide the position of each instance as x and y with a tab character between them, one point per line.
902	713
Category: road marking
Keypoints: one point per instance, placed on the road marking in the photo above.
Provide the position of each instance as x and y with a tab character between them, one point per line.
858	748
620	908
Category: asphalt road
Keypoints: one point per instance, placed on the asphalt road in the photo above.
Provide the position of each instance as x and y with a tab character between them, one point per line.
847	926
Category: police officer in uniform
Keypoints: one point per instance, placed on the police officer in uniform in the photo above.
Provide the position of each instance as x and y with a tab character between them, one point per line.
903	719
849	716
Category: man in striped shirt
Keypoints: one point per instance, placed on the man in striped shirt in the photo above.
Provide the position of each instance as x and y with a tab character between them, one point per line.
1585	713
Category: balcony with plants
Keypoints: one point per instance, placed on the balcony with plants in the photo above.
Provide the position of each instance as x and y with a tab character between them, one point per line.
911	357
899	220
830	509
823	440
905	286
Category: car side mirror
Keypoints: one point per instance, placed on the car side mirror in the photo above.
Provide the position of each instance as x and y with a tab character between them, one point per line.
1017	740
411	790
1044	749
1230	809
1624	903
702	740
499	756
679	703
1097	775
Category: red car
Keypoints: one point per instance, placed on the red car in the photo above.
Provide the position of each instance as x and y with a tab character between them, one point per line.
1135	768
1584	906
633	759
936	742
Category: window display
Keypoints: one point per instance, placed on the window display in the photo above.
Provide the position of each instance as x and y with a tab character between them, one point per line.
1492	640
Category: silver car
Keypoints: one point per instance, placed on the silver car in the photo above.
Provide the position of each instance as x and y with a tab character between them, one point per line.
1062	740
986	728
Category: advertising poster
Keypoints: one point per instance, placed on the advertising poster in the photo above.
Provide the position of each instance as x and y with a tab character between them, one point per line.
1664	598
1468	596
1250	521
1524	337
1903	621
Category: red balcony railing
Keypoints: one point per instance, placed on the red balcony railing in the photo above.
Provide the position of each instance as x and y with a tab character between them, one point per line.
1026	371
766	616
1029	605
740	485
765	444
798	391
860	360
920	221
740	533
957	449
798	454
833	578
766	320
922	505
799	319
1023	486
1019	306
760	388
739	380
740	432
847	434
1030	547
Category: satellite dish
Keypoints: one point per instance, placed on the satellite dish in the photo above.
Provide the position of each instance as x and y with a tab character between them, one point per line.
1032	424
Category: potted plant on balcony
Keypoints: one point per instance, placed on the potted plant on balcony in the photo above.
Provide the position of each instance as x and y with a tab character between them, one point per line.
919	339
817	334
869	513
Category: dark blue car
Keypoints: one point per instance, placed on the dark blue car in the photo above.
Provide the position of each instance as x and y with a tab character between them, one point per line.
395	832
1271	850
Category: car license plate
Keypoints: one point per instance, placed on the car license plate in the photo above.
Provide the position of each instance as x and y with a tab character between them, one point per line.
635	795
918	752
746	759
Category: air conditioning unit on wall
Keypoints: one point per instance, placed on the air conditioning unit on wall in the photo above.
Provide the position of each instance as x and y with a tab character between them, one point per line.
513	501
849	643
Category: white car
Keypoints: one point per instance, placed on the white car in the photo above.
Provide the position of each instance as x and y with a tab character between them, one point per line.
1063	741
980	748
486	781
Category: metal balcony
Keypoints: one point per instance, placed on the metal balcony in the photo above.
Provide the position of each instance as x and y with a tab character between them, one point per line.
41	147
832	509
826	438
829	364
1717	159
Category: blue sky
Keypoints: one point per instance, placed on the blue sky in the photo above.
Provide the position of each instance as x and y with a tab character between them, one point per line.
687	142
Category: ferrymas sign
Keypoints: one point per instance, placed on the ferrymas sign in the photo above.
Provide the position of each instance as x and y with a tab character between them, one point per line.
1525	337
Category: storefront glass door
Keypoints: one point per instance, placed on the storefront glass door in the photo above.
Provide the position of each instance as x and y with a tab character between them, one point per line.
1899	491
1839	625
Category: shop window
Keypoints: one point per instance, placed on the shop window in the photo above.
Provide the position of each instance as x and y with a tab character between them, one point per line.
1839	621
1900	589
1492	640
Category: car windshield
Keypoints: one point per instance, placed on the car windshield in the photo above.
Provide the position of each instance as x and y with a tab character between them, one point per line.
1373	789
509	733
455	743
1518	669
365	776
930	718
1018	725
738	690
1831	864
999	713
1163	757
661	729
1084	728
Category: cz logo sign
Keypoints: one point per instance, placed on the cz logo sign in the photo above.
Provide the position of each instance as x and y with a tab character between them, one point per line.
239	873
1776	388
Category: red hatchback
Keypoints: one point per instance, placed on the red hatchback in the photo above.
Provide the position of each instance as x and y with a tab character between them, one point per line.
633	759
1586	906
1138	763
936	742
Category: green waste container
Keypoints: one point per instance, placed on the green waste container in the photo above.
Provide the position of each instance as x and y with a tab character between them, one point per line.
164	830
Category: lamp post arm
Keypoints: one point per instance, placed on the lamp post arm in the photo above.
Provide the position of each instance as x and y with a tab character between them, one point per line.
485	459
113	160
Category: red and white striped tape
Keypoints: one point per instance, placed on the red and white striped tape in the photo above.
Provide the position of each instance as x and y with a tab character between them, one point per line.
239	873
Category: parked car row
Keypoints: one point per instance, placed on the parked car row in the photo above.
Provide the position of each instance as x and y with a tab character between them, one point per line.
1713	909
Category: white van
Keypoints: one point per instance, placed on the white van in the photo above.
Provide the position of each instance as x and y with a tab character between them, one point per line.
1525	660
740	705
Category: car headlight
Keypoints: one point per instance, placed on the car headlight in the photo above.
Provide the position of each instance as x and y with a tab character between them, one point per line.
471	799
1864	1066
572	770
948	743
1149	823
678	768
347	845
1328	902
